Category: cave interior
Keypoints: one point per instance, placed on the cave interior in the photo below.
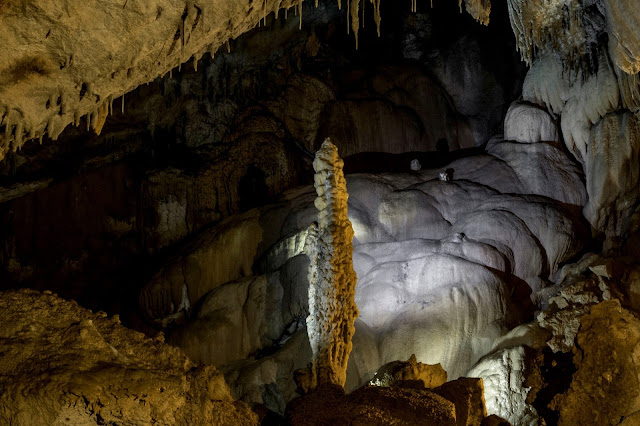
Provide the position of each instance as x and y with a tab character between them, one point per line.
201	200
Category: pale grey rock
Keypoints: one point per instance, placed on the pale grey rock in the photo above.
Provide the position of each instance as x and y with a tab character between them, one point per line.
503	375
442	308
411	214
543	169
444	176
529	124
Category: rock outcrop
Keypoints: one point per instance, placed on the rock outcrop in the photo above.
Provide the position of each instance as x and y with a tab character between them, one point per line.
459	402
505	393
62	364
605	388
405	373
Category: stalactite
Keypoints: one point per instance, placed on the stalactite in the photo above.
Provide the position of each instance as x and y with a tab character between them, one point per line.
480	10
123	103
300	12
355	19
546	26
376	14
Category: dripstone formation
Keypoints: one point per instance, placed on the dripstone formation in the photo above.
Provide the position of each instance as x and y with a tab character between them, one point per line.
332	280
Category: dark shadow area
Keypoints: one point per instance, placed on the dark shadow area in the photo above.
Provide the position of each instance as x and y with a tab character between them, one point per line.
253	190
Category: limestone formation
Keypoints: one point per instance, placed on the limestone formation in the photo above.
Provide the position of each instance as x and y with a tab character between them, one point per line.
332	280
604	389
612	172
503	375
399	373
62	364
59	71
529	124
454	253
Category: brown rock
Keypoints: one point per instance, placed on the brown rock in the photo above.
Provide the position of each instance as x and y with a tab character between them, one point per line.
410	373
605	387
494	420
468	396
371	405
62	364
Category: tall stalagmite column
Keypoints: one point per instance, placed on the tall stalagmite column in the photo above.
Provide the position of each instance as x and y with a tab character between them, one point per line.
332	280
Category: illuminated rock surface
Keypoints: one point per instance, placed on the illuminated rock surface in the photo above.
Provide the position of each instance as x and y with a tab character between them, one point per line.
175	217
605	388
62	364
436	271
332	280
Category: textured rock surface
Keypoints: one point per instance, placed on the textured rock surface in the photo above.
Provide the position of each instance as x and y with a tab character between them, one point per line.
459	402
395	373
438	275
605	388
76	58
528	124
372	405
467	394
612	172
62	364
503	376
332	280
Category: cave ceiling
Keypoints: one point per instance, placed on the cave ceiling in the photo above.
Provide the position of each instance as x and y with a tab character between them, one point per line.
70	62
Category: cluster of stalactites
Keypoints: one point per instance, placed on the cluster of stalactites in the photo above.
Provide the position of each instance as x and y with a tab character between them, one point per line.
478	9
548	26
332	280
572	30
79	94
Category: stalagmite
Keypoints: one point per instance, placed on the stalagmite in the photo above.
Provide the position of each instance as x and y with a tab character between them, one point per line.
332	280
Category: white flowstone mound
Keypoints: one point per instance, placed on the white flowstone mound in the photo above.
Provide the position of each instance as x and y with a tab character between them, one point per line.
442	269
504	393
529	124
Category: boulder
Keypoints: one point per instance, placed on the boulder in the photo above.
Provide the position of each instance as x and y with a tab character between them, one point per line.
406	373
